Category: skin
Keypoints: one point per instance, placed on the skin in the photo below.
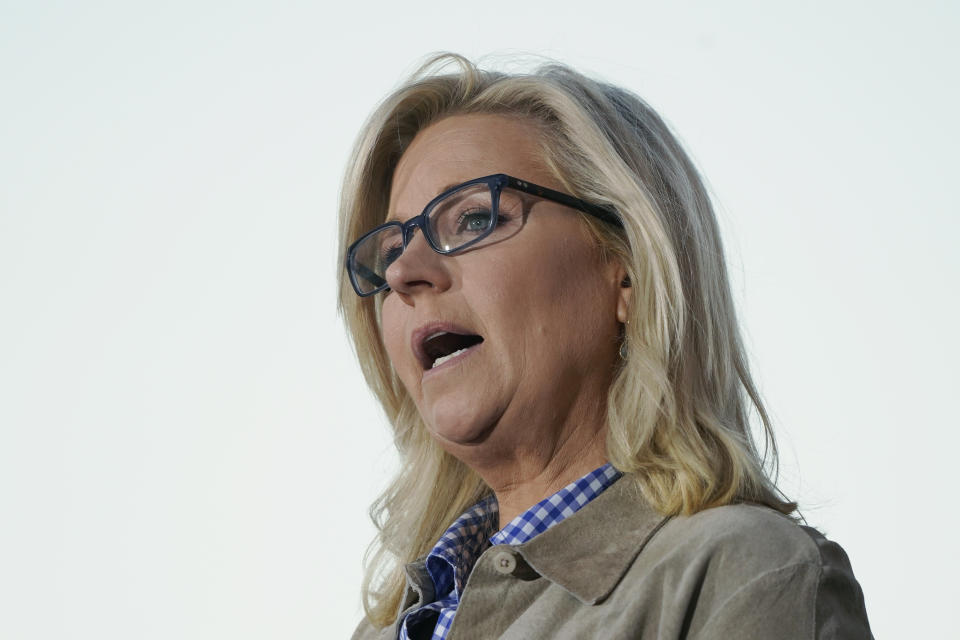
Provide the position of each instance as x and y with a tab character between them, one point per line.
526	408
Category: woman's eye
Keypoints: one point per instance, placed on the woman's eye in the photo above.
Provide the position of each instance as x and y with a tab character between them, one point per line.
388	254
475	221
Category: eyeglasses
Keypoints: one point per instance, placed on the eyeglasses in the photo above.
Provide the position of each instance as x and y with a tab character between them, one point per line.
478	212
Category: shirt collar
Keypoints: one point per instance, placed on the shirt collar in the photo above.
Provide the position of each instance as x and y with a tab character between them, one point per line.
451	559
552	510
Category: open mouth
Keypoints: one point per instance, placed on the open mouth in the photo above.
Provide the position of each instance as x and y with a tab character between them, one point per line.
443	346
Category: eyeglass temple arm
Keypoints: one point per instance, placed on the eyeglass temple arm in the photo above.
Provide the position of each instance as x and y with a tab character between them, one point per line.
606	214
369	276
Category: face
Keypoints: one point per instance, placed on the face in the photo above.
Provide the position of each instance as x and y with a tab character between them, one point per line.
541	298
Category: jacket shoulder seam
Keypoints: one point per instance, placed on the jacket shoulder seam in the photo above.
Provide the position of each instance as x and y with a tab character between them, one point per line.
788	569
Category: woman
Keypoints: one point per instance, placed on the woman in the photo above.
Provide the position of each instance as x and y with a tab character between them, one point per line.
536	290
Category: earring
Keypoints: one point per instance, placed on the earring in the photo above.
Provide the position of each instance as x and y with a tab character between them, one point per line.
623	344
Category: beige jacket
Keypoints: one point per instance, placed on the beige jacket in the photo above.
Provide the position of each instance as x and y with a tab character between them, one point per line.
617	569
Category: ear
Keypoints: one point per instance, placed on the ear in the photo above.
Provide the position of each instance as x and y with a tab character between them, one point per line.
623	300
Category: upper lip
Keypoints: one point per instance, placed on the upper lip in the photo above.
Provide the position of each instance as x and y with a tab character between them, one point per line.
427	331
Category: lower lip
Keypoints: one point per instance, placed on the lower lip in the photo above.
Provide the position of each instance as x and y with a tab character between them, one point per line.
429	373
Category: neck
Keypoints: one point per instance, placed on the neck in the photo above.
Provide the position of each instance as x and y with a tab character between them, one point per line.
547	457
530	484
530	453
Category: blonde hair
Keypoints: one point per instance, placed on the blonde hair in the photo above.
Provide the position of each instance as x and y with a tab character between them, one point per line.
678	410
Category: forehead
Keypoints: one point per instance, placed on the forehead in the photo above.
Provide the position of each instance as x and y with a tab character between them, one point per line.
460	148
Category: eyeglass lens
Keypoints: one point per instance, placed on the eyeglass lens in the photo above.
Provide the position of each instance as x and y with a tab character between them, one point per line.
461	218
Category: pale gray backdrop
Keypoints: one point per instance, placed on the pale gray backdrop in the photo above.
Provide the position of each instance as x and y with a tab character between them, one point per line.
187	449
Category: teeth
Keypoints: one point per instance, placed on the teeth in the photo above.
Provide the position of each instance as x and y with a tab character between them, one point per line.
439	361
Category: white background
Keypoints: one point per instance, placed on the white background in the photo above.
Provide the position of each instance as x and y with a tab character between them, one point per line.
187	449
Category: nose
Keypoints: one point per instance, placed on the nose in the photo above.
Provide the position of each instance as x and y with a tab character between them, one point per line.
419	269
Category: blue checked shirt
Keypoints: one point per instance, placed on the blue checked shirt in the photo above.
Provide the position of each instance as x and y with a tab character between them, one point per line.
452	558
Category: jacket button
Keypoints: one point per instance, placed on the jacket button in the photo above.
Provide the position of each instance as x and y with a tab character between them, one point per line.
505	562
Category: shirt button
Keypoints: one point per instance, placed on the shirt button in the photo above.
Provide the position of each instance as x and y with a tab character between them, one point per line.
505	562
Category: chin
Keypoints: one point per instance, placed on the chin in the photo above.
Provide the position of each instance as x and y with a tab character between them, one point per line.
454	424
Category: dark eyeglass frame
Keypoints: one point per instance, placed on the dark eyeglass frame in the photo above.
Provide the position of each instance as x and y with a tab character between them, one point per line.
497	183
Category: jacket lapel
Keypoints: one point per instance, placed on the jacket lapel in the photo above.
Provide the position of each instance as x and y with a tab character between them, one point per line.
589	552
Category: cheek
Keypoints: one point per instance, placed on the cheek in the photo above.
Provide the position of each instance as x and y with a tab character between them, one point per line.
560	302
558	274
391	329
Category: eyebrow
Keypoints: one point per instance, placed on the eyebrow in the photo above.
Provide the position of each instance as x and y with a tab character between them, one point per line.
443	190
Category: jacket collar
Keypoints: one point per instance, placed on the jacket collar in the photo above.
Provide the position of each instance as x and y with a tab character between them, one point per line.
589	553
